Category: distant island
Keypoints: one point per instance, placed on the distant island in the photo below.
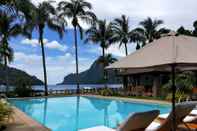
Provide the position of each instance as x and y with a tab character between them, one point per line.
15	74
94	75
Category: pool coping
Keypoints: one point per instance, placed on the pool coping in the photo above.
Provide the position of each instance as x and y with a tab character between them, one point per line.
151	101
129	99
26	121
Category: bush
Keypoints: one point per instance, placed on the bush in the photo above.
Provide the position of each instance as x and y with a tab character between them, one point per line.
23	88
106	92
5	112
178	96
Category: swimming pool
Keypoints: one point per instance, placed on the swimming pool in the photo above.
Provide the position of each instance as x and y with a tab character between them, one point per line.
73	113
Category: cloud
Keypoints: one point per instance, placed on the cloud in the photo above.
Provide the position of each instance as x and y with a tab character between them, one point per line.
49	44
57	67
174	12
117	51
55	45
113	49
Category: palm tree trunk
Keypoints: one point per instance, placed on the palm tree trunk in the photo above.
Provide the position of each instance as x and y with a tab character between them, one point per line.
43	60
76	59
125	44
104	72
6	74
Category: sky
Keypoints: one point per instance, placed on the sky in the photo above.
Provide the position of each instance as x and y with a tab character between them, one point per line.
60	55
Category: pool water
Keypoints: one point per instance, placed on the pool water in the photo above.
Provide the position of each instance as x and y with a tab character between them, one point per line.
74	113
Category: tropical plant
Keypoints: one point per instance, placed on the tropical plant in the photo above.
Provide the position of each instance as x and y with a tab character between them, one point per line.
5	113
100	33
149	28
183	31
138	38
108	59
77	10
45	15
23	87
184	82
22	9
122	32
106	92
9	28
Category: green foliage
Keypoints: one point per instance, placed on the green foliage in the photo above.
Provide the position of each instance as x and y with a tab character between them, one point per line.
100	33
149	29
184	83
77	10
106	92
122	32
180	95
183	31
5	110
23	88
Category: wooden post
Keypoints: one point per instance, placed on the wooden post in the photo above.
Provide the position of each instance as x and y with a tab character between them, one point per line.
156	84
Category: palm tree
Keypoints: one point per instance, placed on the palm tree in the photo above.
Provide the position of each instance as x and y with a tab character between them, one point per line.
138	38
45	15
77	10
150	29
20	8
9	28
101	33
109	59
122	33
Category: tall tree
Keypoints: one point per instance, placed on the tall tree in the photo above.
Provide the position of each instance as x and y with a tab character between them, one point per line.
109	59
20	8
45	15
138	38
101	33
149	28
122	32
77	10
9	28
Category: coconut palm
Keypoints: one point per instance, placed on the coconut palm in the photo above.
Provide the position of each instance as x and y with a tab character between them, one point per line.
21	8
9	28
122	32
108	59
138	38
77	10
149	28
101	33
45	15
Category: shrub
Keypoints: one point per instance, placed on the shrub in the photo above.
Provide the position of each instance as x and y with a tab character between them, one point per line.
180	95
106	92
5	112
23	88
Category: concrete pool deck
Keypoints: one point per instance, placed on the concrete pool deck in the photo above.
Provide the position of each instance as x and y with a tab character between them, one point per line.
21	122
130	99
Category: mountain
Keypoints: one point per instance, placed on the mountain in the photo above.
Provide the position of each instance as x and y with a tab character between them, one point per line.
15	74
94	75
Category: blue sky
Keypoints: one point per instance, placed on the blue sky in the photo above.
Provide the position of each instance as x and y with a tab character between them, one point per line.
60	58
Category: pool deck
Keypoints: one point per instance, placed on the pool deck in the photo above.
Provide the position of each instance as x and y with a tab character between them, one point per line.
21	122
130	99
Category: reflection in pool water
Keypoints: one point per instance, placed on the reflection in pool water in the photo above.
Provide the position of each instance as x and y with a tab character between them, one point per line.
73	113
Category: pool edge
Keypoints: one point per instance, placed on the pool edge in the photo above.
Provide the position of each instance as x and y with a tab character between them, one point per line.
129	99
27	120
